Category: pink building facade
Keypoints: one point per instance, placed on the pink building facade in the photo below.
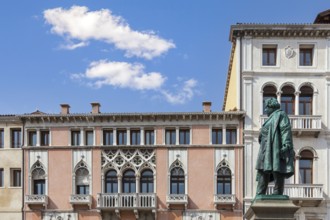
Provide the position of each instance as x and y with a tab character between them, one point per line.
133	165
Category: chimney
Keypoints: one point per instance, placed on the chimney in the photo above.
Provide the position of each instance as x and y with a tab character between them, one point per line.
207	106
65	109
95	107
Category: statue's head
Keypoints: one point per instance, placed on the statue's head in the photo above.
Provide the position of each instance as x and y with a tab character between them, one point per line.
271	105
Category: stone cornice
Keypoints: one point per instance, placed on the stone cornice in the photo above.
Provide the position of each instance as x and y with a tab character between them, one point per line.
132	117
279	30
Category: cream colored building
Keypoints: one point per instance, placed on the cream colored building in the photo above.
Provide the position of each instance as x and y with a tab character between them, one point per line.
164	166
10	168
290	62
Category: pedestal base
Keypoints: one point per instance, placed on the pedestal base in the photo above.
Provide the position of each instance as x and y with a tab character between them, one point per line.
266	208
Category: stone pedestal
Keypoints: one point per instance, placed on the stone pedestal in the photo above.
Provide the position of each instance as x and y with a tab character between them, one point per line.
271	209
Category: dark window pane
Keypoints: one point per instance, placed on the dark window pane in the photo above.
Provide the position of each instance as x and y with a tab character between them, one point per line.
39	187
32	138
16	178
231	136
306	56
149	137
170	137
1	139
217	136
269	56
89	138
184	136
1	177
44	138
107	137
75	138
135	137
16	138
121	137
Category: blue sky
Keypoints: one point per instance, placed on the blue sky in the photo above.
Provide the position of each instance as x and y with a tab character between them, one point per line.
128	55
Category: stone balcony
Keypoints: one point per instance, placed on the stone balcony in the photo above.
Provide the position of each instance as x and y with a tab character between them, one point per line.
177	199
81	200
126	201
224	199
302	124
303	194
36	200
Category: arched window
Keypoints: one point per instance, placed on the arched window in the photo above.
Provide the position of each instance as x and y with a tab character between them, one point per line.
147	182
177	181
111	182
38	175
306	167
129	182
268	92
224	180
82	181
305	100
288	100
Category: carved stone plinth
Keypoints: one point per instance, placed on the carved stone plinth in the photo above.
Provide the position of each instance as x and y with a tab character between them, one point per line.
271	209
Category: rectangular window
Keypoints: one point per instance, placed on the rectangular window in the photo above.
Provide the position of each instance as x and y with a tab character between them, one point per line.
75	138
306	55
1	138
135	137
16	138
44	138
82	189
231	136
170	136
121	137
32	138
149	137
107	137
217	136
269	55
1	177
16	177
39	187
89	138
184	136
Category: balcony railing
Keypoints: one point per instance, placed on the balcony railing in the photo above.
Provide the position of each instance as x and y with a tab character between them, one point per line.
301	191
308	122
80	199
224	199
126	200
177	199
36	200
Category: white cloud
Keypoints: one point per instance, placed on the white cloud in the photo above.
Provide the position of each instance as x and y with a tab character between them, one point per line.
184	95
120	74
72	46
81	24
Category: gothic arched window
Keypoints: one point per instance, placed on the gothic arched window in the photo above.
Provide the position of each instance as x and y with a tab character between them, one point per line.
82	181
177	181
111	182
224	180
306	167
38	175
288	99
305	100
129	182
147	182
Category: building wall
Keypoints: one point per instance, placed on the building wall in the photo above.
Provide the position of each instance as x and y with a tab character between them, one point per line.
10	158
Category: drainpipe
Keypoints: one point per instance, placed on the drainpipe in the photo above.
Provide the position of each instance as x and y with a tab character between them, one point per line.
23	170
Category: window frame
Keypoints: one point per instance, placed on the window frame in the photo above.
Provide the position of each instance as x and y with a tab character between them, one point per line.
135	134
217	133
121	137
186	136
130	181
75	137
44	138
2	138
16	138
112	181
232	132
15	177
108	137
147	180
170	136
222	180
87	137
149	137
310	158
267	50
2	178
177	180
304	50
32	138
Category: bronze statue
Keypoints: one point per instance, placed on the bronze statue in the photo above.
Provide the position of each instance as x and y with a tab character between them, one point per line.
276	155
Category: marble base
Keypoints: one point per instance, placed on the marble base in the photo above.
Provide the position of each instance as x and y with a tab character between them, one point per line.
268	208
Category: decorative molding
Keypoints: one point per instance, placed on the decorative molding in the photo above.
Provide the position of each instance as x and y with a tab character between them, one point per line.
289	52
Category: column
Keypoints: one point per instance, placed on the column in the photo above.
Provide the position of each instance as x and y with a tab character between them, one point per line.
38	138
261	103
120	178
82	137
224	135
279	93
296	103
297	170
137	182
142	136
238	141
177	133
128	137
25	139
315	94
115	136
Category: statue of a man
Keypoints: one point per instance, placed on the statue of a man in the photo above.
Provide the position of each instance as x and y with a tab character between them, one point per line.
276	155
